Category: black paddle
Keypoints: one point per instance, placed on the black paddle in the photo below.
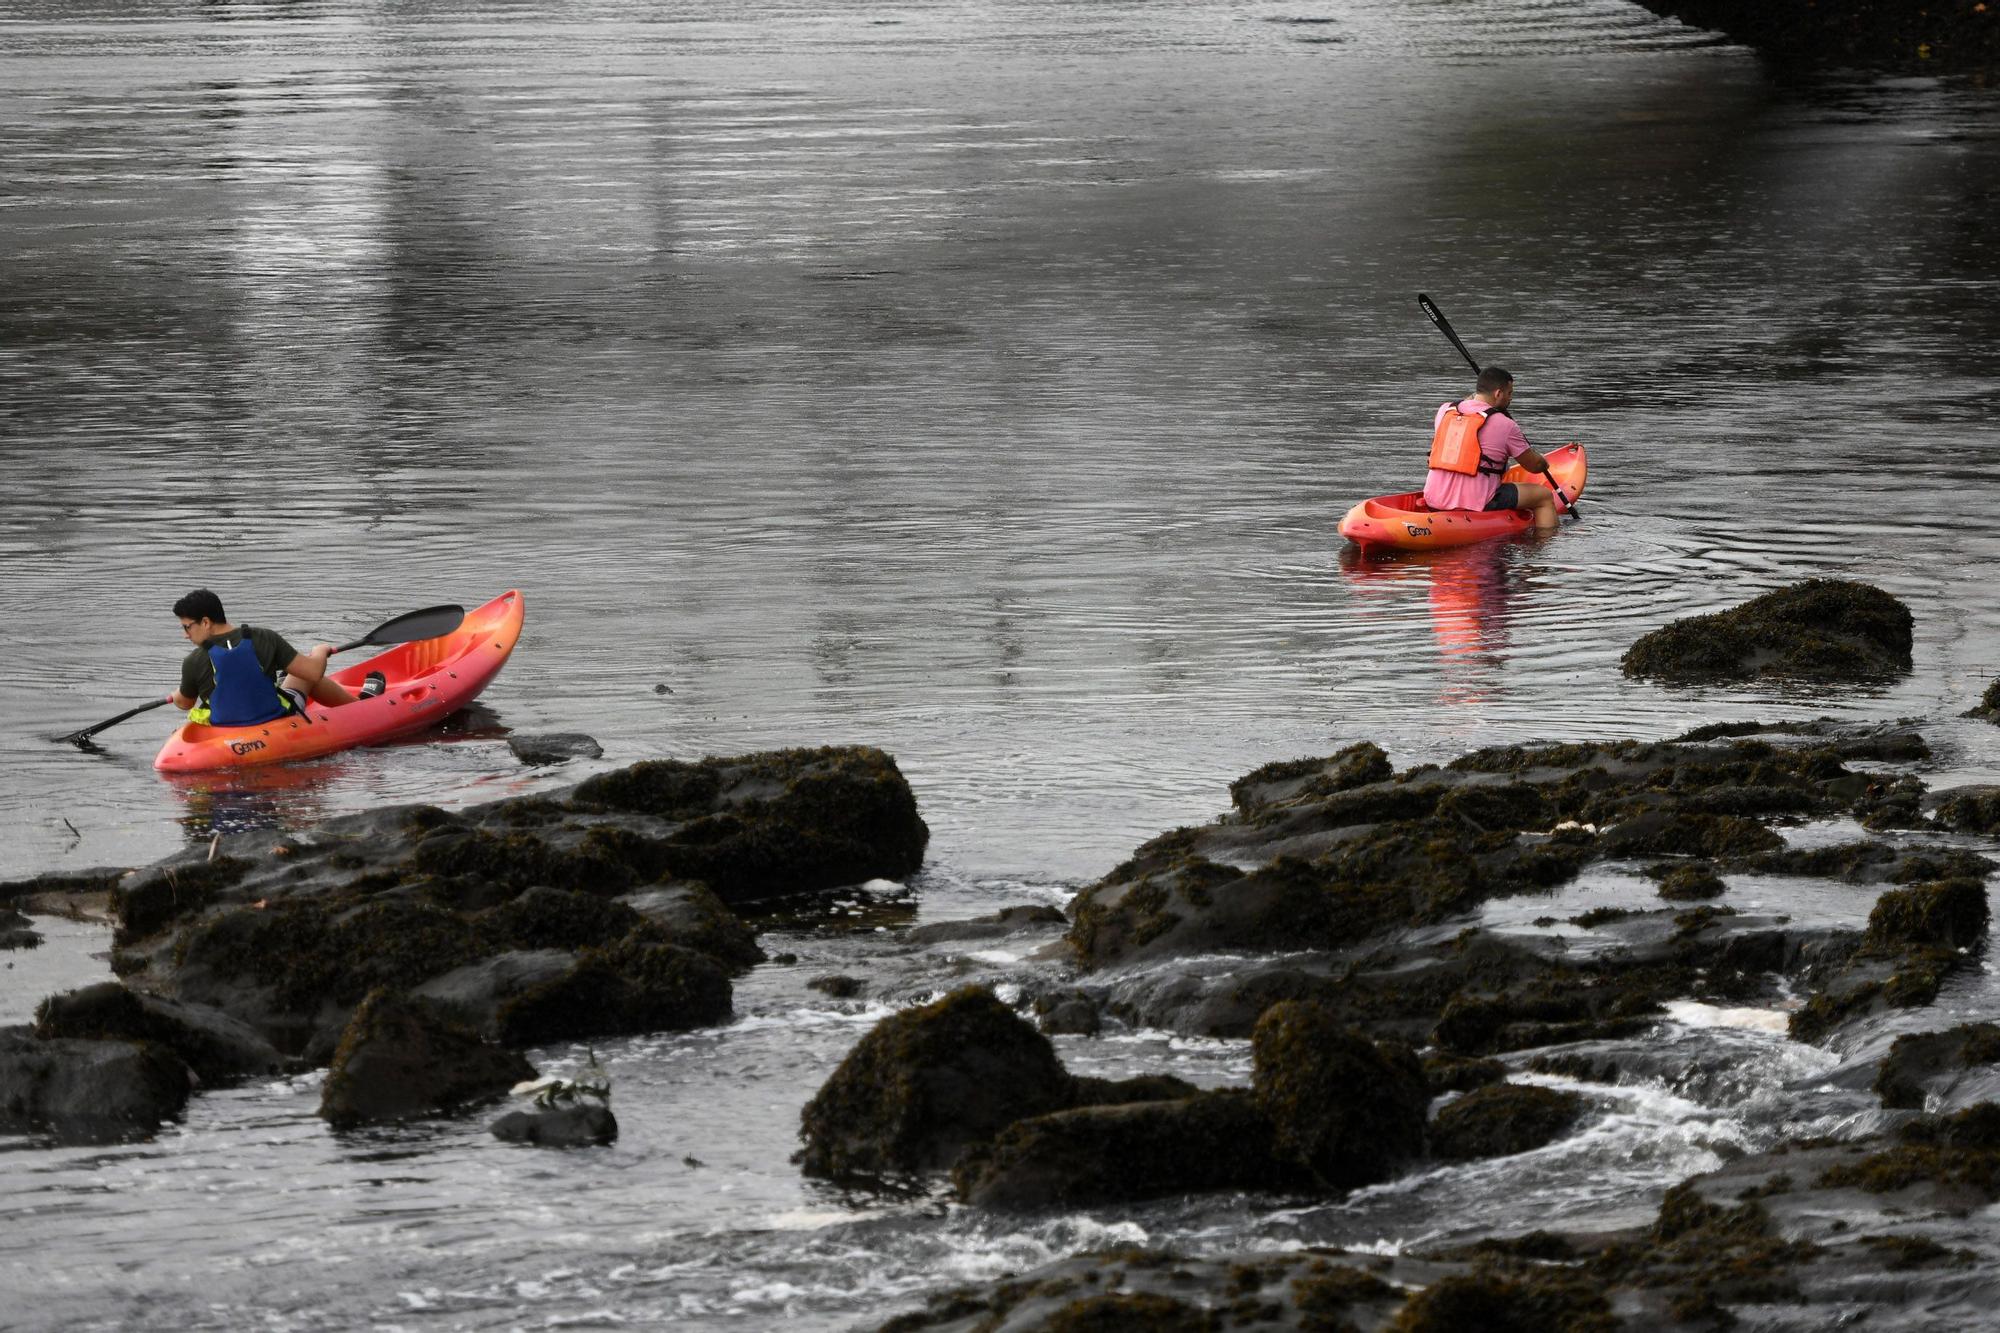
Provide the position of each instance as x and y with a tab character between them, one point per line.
429	623
1444	327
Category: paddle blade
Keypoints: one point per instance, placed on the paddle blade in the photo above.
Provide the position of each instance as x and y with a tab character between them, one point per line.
1436	317
429	623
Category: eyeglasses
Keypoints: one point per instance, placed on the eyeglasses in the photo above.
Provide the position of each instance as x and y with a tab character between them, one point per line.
187	626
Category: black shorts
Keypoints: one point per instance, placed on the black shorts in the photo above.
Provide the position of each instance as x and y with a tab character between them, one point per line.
1507	497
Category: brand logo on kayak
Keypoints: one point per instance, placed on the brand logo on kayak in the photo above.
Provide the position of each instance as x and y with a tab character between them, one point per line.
246	747
1416	531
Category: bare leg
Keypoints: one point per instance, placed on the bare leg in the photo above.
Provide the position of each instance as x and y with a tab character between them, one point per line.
1540	501
326	690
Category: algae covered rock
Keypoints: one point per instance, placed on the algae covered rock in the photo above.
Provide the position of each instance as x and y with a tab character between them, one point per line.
1502	1119
87	1091
631	986
213	1044
1349	1111
1114	1154
1969	809
1821	629
1943	1070
1951	913
400	1060
926	1082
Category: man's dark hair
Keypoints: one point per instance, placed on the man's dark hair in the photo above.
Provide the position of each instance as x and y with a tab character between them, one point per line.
201	604
1493	379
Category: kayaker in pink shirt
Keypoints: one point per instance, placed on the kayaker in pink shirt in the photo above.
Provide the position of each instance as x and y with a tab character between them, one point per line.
1466	481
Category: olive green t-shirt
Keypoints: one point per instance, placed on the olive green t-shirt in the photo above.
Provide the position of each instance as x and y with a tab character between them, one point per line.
273	656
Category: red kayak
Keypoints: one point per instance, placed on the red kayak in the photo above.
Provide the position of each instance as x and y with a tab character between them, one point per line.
1405	523
428	681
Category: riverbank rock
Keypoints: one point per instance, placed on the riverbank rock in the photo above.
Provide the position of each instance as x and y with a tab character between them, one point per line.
1502	1119
86	1091
554	747
1989	704
217	1047
1821	629
607	907
399	1060
582	1124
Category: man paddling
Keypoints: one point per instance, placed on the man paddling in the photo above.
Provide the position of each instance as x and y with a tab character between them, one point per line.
230	678
1472	442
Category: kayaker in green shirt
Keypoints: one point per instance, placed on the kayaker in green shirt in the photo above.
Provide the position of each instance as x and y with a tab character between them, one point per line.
230	678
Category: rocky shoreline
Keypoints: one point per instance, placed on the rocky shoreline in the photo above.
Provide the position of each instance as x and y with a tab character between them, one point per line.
1935	37
1356	923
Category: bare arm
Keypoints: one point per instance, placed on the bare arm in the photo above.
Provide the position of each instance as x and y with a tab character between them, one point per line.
1531	459
310	667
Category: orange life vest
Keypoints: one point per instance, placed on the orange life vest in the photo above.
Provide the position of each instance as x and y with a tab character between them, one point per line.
1455	444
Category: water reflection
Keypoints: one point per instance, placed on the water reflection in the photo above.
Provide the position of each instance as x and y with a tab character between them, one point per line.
301	795
1468	590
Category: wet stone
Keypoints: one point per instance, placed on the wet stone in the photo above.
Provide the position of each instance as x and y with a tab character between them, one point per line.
584	1124
554	747
399	1060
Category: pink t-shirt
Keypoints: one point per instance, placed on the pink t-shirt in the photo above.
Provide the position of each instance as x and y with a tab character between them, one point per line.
1500	441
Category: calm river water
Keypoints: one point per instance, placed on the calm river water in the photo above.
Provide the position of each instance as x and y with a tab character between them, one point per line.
980	381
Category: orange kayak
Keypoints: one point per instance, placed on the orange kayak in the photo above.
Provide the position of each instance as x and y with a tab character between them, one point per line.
1405	523
428	681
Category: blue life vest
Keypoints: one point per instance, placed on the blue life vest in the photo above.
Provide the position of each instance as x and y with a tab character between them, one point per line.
243	695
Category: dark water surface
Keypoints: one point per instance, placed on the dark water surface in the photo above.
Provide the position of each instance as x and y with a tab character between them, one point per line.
983	382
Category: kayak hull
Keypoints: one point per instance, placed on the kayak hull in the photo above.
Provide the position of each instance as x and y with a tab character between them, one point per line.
1405	523
428	681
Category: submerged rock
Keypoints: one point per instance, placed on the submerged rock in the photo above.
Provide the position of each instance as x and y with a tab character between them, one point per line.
554	747
1821	629
87	1091
400	1060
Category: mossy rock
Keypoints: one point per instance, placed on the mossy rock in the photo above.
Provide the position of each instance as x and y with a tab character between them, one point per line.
1444	1072
1096	1155
1503	1119
314	952
1919	1059
1691	883
631	986
1347	1110
925	1083
545	918
398	1060
1821	629
1969	810
153	898
213	1044
1948	913
1546	1301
